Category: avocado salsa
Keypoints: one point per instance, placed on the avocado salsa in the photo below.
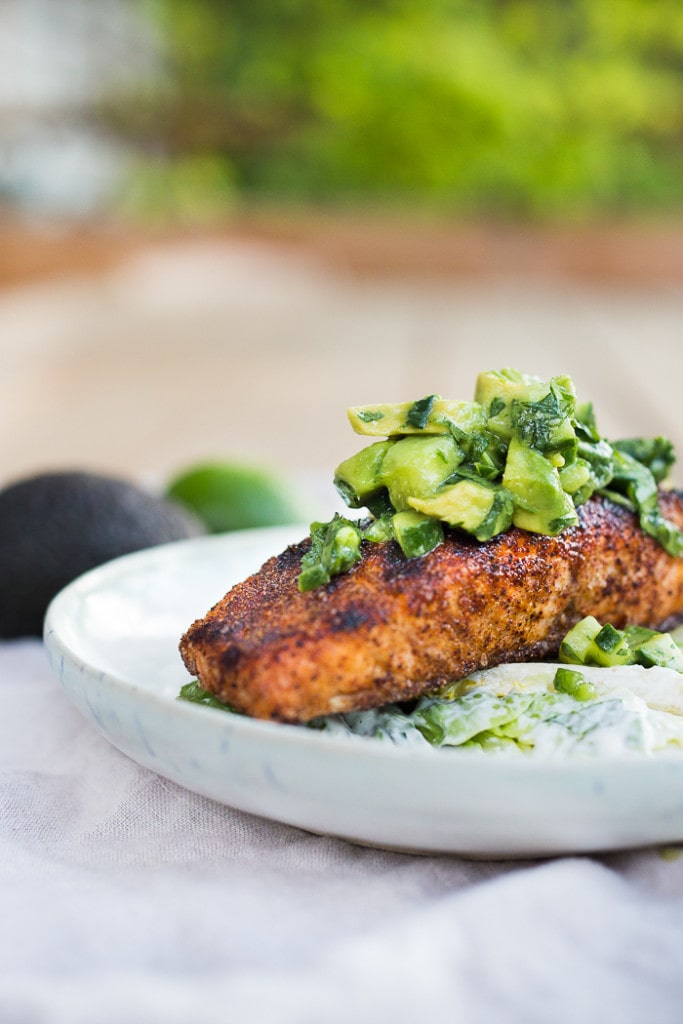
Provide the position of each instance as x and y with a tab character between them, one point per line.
523	453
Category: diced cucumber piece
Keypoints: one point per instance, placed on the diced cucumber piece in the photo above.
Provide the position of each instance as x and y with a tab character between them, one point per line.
480	510
465	504
579	640
359	479
637	635
416	534
589	643
431	415
610	647
660	650
676	635
415	467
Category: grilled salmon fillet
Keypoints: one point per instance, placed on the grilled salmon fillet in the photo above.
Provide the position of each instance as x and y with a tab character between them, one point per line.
392	628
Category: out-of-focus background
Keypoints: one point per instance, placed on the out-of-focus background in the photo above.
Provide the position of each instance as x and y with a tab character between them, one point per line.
224	221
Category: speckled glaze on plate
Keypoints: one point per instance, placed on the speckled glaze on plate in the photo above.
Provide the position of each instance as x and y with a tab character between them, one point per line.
112	638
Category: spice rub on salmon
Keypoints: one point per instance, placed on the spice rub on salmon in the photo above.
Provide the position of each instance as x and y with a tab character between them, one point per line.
393	628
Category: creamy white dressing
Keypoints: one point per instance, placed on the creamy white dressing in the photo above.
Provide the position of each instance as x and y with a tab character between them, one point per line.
515	710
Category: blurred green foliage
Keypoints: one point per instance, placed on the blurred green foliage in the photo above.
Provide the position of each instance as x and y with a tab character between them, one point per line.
542	108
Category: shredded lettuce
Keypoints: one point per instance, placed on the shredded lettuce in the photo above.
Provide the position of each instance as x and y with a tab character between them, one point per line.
516	709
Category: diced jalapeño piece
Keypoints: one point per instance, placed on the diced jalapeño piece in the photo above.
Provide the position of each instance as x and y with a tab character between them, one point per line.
481	510
541	504
358	479
568	681
415	467
431	415
416	534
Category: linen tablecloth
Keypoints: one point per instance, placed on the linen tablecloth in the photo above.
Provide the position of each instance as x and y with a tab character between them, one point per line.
123	897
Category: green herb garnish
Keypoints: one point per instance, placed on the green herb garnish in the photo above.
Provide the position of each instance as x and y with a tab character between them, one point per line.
196	694
419	411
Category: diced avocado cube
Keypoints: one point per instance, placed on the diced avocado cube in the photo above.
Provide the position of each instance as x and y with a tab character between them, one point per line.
415	467
503	397
531	479
499	518
504	385
480	510
562	439
416	534
358	479
465	504
541	504
537	412
547	521
575	476
431	415
546	424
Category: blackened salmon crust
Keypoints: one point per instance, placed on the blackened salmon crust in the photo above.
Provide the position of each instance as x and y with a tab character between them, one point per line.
392	628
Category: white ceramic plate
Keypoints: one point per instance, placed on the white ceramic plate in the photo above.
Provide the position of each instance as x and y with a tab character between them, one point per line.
112	637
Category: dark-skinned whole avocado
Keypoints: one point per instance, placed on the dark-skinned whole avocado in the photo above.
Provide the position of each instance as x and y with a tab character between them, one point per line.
55	526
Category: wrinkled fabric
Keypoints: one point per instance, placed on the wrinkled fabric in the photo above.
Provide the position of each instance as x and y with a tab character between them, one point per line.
124	897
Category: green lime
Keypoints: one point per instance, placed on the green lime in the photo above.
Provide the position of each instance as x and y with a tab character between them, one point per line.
232	496
55	526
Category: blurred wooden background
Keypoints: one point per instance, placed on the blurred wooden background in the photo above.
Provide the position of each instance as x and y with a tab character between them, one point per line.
139	356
